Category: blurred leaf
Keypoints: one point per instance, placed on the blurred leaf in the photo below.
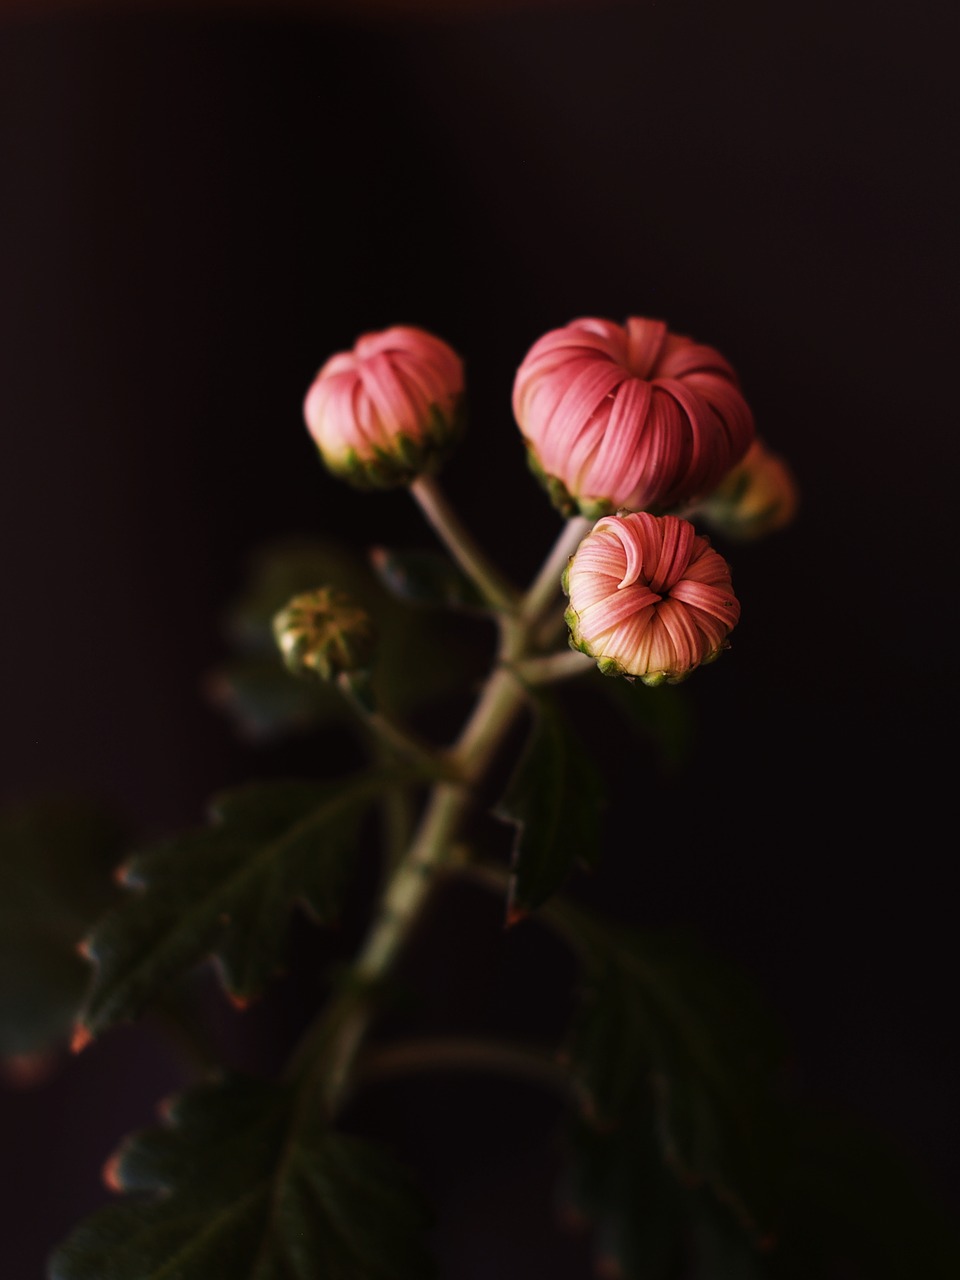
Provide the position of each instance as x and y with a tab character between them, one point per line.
422	656
662	716
617	1183
265	702
247	1182
56	859
664	1024
227	889
428	578
555	799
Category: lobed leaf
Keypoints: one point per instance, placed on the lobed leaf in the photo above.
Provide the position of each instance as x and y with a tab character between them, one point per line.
247	1181
555	800
56	859
226	890
421	658
665	1029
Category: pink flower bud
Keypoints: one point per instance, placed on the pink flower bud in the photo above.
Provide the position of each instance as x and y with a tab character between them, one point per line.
759	496
628	417
649	598
388	410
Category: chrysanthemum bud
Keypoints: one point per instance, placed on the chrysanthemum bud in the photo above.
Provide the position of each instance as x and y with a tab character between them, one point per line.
649	598
388	410
324	633
759	496
628	417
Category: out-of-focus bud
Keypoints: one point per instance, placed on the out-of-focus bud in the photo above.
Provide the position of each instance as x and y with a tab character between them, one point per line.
628	417
388	410
759	496
324	633
649	598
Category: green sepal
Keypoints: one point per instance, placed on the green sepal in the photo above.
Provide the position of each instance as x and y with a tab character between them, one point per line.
226	890
246	1181
56	860
555	799
428	578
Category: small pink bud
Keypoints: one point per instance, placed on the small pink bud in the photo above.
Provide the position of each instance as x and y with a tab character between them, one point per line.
388	410
759	496
628	417
649	598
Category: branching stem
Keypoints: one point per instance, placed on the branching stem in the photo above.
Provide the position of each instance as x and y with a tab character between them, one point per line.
433	845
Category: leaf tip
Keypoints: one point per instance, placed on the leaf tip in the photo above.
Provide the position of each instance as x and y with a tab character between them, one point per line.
515	914
110	1173
81	1037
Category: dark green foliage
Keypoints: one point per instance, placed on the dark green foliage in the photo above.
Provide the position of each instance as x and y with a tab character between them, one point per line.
555	799
427	578
667	1027
56	859
420	657
247	1182
227	889
663	717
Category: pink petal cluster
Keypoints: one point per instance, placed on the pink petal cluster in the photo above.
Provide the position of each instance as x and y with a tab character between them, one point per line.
649	598
388	410
628	417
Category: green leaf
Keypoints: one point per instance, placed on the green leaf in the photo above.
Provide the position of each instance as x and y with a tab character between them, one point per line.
428	578
555	800
663	716
247	1182
617	1182
663	1024
421	659
227	889
266	703
56	859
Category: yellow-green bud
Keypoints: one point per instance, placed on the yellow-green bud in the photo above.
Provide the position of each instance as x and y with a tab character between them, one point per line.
324	633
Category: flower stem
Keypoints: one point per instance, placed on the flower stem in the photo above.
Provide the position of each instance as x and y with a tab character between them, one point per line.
464	549
341	1033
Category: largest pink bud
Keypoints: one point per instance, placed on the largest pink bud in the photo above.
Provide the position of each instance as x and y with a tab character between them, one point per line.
389	409
628	417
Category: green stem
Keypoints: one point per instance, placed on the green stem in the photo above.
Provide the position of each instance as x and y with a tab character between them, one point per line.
554	666
329	1052
464	549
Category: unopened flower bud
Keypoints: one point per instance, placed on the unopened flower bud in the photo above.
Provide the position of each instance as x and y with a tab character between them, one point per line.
649	598
324	633
388	410
759	496
628	417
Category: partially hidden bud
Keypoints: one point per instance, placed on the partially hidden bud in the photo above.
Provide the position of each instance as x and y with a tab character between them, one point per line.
649	598
759	496
628	417
389	410
324	633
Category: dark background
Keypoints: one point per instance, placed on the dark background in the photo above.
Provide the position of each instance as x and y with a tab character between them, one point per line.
199	206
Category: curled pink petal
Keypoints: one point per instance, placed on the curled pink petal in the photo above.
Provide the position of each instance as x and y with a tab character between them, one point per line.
628	417
649	598
388	410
